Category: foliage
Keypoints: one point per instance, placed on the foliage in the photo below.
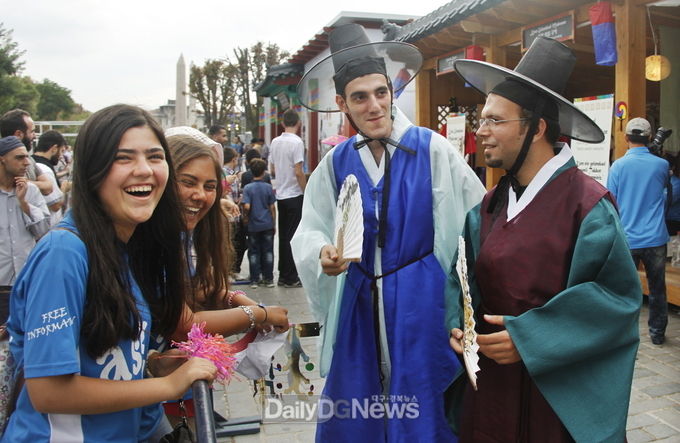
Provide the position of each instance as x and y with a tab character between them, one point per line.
214	86
9	53
223	87
18	92
55	101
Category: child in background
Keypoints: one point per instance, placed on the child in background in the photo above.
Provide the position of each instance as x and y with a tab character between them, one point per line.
259	211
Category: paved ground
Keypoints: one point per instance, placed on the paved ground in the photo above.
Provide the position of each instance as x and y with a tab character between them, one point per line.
655	401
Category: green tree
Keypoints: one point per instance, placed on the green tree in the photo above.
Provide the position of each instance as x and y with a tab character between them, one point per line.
55	101
18	92
223	87
9	53
214	86
252	64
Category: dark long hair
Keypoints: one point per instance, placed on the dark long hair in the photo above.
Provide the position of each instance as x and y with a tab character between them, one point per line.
155	254
214	253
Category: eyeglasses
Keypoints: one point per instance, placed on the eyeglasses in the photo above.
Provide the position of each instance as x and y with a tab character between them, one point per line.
492	122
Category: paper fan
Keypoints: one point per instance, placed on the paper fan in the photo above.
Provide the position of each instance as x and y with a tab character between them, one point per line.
349	221
470	346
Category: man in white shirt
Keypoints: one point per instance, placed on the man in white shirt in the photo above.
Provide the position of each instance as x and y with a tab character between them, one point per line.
47	153
287	154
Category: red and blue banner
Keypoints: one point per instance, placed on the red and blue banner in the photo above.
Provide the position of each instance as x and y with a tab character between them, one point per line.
604	33
400	81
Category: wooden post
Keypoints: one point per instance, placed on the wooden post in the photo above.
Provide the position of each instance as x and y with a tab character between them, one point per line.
630	85
498	55
423	99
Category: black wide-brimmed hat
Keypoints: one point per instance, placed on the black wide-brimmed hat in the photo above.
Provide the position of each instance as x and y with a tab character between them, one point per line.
353	55
544	69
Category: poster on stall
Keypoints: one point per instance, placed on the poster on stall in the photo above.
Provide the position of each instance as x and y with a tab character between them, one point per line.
455	131
593	158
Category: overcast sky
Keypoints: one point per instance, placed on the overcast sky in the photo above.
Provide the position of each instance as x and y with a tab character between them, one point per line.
125	51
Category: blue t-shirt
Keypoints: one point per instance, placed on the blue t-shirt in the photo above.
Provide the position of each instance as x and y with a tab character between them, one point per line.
638	181
260	196
47	306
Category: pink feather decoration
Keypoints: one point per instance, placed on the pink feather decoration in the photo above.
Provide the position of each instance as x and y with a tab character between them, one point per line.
211	347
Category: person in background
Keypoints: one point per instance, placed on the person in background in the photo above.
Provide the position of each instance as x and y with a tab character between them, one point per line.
638	181
259	212
247	176
285	164
47	154
218	134
237	144
232	173
19	123
24	216
673	213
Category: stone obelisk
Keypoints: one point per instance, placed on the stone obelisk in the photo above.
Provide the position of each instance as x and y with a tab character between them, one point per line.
181	95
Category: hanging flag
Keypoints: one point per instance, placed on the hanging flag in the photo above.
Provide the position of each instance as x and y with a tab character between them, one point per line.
604	33
400	81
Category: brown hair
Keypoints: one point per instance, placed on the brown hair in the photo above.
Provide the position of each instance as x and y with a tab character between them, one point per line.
211	237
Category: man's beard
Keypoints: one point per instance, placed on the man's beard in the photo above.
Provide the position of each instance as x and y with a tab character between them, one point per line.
27	142
54	159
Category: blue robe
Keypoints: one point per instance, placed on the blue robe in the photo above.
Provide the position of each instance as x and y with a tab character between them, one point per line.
422	362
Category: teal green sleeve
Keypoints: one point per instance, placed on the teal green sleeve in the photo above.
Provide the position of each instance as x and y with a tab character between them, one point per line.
453	292
580	347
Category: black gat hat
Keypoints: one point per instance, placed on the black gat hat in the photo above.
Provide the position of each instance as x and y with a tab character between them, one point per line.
353	55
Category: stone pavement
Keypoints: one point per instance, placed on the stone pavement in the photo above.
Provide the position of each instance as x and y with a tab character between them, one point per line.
654	413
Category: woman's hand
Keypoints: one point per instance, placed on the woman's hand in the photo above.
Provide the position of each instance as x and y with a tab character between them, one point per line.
195	368
229	208
276	317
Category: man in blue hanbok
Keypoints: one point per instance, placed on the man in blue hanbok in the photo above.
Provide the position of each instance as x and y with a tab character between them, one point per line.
385	342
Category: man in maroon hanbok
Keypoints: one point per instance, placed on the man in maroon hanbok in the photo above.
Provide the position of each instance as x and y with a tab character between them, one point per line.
554	289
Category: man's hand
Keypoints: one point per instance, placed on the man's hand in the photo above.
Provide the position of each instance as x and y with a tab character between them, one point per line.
499	345
330	262
20	187
456	340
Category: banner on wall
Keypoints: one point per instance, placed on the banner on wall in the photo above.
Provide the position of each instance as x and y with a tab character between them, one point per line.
261	119
593	158
455	131
273	114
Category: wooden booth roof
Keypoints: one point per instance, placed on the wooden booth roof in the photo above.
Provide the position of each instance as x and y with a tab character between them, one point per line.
463	22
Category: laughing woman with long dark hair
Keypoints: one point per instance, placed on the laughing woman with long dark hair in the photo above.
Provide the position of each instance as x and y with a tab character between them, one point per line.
98	286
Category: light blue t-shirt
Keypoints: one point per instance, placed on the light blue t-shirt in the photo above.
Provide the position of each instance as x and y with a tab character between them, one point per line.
47	306
638	181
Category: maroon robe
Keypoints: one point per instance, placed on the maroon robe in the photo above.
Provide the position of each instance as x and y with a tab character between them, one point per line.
522	264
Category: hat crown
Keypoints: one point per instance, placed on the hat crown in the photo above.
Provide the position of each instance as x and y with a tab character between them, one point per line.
639	126
348	36
549	63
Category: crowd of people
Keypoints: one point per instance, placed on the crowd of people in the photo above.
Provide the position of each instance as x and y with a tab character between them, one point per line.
112	250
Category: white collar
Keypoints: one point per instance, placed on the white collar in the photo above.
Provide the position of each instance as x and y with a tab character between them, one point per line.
537	183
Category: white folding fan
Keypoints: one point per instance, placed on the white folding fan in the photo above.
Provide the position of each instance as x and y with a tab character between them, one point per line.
470	346
349	221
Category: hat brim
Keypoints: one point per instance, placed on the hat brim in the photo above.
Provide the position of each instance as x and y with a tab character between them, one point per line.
316	89
484	76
